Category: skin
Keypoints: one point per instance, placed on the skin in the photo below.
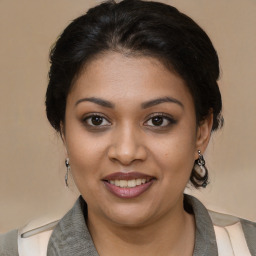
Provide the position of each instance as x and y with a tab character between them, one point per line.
127	140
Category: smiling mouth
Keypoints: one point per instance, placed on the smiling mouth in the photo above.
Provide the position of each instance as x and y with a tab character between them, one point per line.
129	183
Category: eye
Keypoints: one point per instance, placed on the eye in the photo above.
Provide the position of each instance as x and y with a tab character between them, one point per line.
96	120
160	120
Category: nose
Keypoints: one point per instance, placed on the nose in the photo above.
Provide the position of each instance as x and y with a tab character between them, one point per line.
127	146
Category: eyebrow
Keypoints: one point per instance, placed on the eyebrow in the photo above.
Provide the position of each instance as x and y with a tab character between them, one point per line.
144	105
98	101
157	101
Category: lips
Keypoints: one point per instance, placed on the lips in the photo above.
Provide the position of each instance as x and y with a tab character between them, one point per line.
128	185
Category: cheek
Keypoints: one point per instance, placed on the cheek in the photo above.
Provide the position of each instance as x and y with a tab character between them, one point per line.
85	158
85	161
175	155
86	154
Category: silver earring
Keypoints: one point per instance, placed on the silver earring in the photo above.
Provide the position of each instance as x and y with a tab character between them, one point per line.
201	169
68	170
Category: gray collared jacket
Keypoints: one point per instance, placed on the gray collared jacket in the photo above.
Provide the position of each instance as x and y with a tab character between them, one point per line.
216	234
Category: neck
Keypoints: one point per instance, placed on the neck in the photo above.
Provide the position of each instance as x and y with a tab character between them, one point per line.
170	234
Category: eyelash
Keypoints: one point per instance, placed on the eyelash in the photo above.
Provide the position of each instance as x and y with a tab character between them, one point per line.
89	117
164	116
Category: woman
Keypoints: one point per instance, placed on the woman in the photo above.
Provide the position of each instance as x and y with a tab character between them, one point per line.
133	93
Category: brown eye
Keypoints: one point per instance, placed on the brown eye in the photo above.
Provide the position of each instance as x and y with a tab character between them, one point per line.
157	120
160	120
96	120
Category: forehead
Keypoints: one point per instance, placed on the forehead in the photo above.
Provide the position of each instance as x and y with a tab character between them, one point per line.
115	76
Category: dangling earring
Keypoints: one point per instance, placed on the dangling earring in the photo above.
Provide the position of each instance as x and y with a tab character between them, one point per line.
201	170
68	170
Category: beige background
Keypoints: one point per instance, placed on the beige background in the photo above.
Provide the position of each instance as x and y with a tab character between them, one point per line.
32	158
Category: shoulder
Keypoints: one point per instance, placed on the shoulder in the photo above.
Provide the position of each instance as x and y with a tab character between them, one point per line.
9	243
226	221
229	234
30	240
33	238
234	233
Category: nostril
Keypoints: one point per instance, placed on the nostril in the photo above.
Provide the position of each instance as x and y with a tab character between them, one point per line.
127	154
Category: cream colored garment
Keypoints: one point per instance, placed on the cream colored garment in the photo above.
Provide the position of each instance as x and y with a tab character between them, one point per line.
33	239
230	237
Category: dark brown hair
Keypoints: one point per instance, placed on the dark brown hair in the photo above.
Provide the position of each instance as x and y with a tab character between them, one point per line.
137	27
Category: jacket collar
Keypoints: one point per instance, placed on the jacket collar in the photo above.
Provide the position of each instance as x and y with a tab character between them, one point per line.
205	244
71	235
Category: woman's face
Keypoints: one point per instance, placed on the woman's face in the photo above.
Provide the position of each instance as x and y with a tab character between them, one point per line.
131	137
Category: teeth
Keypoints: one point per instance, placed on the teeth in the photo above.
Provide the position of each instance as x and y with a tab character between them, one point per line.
128	183
138	182
123	183
131	183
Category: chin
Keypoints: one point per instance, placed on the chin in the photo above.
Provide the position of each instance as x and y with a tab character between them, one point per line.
130	215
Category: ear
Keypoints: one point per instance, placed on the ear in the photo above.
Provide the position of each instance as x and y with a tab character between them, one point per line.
62	135
203	134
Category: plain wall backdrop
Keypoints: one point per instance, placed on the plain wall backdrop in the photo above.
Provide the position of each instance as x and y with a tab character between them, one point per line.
32	157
